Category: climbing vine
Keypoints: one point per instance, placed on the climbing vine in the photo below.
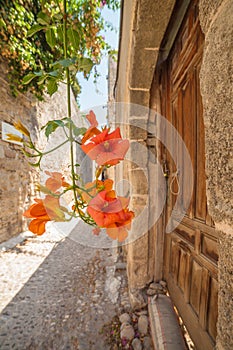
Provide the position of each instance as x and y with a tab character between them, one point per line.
96	202
31	36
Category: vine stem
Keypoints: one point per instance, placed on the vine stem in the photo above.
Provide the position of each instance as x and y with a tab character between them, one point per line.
55	148
69	103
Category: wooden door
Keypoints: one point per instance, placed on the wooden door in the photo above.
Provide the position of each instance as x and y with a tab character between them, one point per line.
190	251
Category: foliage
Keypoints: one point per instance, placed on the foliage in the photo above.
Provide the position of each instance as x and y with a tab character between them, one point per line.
31	37
96	203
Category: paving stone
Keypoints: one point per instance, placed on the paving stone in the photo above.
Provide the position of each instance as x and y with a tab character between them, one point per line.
163	284
127	332
151	292
136	344
137	299
125	318
142	312
53	295
147	343
156	286
143	324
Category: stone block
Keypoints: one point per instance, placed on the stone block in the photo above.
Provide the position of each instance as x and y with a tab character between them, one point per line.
9	153
138	154
139	181
137	133
139	254
139	98
2	154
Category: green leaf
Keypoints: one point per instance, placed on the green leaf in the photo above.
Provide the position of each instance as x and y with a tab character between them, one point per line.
50	37
34	29
2	23
51	126
85	65
39	74
60	33
52	86
43	18
73	37
28	78
42	79
65	63
35	165
78	131
55	73
58	16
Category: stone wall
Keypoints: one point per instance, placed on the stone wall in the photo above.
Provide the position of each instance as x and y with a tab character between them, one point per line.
142	29
17	177
217	91
139	49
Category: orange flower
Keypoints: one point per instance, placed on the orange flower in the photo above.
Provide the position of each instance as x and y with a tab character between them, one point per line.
111	213
92	188
105	148
55	181
43	211
92	130
91	117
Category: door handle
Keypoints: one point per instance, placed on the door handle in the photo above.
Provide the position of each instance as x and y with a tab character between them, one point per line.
166	171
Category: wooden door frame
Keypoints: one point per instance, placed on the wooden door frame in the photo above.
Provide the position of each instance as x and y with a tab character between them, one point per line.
193	322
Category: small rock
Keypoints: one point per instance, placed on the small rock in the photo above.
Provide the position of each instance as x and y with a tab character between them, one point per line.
156	286
120	266
124	324
125	318
136	344
134	318
163	284
142	312
147	344
143	324
137	300
127	332
151	292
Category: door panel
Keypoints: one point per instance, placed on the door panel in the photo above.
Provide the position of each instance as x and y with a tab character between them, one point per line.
191	250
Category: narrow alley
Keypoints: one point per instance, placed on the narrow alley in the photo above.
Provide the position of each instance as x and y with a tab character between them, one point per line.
58	294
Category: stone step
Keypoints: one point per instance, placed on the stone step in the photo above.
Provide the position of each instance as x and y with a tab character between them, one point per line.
165	329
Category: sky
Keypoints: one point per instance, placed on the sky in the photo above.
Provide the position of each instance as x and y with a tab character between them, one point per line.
89	97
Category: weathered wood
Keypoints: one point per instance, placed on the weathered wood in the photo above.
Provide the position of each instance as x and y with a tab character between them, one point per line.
191	250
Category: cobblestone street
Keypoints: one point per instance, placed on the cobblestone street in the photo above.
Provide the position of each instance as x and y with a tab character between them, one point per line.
57	294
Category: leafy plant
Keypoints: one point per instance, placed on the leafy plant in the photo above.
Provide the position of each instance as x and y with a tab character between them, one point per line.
31	36
95	203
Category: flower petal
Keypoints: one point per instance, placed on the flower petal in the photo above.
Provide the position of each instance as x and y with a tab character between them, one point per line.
37	210
114	135
37	226
89	133
119	233
91	117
